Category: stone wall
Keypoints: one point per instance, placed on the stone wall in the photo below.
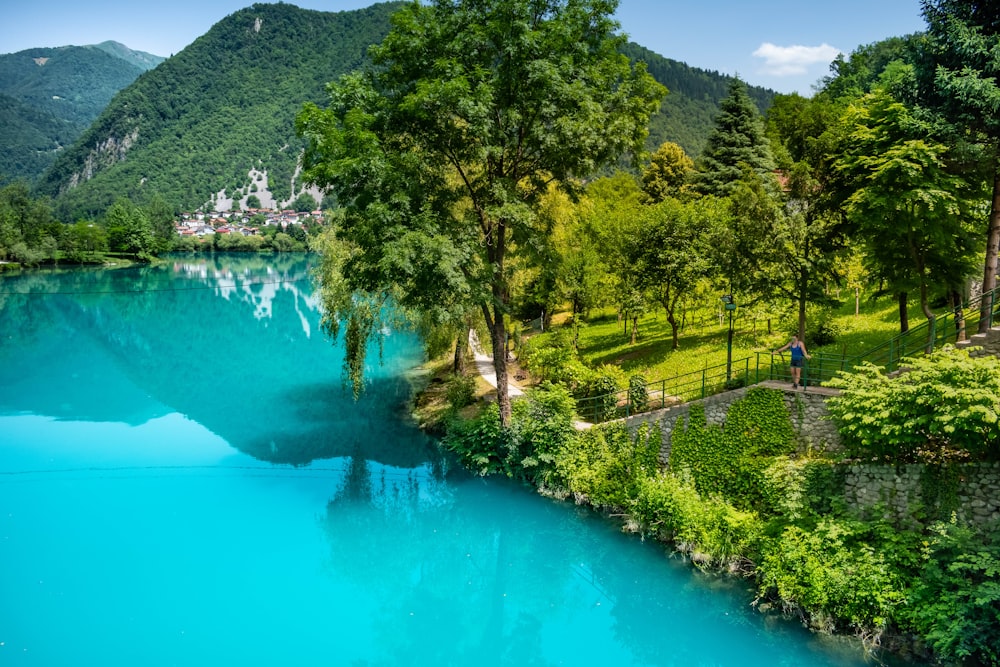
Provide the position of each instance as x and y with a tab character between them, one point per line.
988	341
899	491
807	410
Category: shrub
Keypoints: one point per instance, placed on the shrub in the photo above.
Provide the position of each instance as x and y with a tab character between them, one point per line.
955	602
606	464
832	575
944	407
710	529
461	391
638	396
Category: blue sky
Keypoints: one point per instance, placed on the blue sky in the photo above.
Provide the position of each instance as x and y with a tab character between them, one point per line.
786	45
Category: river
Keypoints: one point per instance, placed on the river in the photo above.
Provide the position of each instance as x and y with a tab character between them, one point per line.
185	480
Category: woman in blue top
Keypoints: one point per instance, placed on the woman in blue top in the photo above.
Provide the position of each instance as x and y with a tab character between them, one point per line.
798	349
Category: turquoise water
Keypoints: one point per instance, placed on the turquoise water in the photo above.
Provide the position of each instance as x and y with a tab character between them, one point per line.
185	481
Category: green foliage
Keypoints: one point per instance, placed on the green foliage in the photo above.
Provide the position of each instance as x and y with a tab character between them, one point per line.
638	395
606	465
736	143
541	427
944	407
129	229
461	391
712	530
481	444
954	603
731	459
833	574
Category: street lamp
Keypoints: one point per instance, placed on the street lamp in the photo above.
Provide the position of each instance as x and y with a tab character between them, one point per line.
730	305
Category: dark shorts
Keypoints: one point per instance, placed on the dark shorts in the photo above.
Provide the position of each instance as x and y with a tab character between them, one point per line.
797	363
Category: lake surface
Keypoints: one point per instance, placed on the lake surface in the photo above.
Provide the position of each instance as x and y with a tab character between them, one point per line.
184	480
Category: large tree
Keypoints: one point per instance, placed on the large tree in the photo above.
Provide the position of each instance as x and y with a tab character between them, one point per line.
911	211
445	148
737	142
670	253
964	49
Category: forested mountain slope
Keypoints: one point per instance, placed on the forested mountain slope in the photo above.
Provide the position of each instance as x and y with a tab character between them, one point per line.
49	96
688	111
221	108
207	124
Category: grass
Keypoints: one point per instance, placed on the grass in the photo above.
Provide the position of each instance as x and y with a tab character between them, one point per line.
703	344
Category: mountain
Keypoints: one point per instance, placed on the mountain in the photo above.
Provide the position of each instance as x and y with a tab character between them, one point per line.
49	96
219	115
688	112
215	122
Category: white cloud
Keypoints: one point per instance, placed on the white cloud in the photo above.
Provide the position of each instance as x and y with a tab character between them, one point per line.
793	60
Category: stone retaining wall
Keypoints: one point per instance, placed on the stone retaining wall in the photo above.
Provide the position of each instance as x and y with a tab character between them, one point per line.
899	491
807	410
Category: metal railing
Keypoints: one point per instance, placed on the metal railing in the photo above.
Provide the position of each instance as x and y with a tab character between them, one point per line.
922	338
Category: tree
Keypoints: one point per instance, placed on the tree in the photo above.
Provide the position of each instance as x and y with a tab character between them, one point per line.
253	201
813	229
161	220
670	253
129	230
439	156
736	141
910	210
668	171
964	51
304	202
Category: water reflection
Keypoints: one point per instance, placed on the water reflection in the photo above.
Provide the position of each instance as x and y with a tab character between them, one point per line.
468	572
200	336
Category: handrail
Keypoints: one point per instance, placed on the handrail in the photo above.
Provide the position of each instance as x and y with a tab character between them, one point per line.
923	337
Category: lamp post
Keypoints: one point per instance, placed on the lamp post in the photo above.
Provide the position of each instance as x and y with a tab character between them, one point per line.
729	305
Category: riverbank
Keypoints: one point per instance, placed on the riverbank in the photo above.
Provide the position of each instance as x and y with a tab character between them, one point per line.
736	498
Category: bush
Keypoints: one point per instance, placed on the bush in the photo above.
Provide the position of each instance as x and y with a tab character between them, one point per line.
461	391
710	529
606	464
832	575
944	407
955	602
541	426
638	396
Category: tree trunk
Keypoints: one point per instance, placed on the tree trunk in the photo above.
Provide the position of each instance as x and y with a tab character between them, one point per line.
928	313
635	329
992	248
904	318
458	367
956	303
500	365
802	305
674	329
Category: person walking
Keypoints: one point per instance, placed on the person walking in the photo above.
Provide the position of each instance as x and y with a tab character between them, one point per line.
799	354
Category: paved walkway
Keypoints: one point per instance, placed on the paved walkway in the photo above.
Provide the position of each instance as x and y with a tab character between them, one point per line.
484	365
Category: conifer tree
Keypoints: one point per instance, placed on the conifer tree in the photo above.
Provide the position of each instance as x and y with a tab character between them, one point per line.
737	141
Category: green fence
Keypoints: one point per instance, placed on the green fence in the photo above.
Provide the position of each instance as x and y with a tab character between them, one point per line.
922	338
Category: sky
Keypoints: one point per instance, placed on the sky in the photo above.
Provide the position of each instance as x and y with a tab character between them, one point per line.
784	45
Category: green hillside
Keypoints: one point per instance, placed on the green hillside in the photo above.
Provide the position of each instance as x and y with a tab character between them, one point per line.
51	95
220	114
225	105
688	111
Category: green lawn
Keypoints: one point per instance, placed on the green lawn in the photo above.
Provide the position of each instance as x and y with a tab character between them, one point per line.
703	345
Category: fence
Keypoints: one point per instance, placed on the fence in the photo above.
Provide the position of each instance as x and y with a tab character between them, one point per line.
922	338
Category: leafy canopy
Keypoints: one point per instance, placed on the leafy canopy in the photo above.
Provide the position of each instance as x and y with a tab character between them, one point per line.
441	155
